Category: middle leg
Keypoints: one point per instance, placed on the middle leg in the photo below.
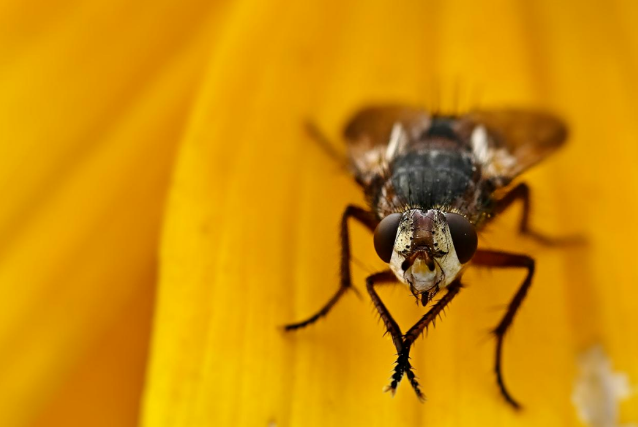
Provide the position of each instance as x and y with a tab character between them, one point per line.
368	219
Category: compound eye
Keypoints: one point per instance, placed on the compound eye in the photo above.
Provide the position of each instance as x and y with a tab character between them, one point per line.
385	234
464	236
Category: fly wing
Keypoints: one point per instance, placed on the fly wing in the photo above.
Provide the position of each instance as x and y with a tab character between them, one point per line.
376	134
507	142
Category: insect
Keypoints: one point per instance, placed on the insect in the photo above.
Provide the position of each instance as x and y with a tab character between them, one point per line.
431	182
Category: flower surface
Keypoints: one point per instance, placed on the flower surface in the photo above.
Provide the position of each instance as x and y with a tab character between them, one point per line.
164	212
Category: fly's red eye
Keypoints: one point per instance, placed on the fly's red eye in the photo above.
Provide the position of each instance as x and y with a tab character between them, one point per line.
464	236
385	234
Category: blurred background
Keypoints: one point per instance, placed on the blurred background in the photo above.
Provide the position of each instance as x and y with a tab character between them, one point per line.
163	213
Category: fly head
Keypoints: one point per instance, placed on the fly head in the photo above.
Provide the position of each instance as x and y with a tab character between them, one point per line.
426	250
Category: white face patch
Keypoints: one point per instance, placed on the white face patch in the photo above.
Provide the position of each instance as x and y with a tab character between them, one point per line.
444	260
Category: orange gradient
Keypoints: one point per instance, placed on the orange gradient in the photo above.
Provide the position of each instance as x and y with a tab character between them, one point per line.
164	212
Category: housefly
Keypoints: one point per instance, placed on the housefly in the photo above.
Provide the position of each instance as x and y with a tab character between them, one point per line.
432	182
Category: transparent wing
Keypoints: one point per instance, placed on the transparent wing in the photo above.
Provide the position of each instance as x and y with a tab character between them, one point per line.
370	131
510	141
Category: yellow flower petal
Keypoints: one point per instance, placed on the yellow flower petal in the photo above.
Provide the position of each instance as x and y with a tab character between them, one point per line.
94	98
251	241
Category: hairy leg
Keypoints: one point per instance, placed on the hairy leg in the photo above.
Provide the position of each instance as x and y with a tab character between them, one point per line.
369	220
403	365
391	326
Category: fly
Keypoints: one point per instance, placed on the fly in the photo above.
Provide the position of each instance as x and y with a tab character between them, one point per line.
431	182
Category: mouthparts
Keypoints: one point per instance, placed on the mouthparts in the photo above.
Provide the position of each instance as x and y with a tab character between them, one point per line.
423	274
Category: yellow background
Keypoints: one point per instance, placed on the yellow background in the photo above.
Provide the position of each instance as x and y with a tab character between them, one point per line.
118	305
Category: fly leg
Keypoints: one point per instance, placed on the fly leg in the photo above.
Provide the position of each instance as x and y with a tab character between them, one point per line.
391	325
486	258
370	221
403	360
324	143
522	192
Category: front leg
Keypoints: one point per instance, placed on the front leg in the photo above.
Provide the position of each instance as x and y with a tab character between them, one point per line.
394	330
391	325
369	220
506	260
403	361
